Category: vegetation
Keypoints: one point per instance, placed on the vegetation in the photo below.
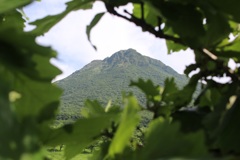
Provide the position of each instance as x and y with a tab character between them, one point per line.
105	80
28	99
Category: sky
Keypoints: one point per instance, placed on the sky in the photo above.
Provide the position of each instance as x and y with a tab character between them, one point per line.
110	35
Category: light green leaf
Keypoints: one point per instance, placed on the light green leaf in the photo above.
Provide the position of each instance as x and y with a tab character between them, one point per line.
150	17
92	109
184	96
233	46
230	50
174	47
79	135
128	123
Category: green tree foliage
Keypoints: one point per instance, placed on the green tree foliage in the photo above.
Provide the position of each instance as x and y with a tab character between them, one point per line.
210	130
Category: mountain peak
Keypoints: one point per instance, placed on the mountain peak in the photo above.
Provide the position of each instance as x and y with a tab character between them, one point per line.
129	56
106	79
124	53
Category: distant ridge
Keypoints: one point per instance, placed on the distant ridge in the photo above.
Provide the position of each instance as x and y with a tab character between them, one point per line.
105	80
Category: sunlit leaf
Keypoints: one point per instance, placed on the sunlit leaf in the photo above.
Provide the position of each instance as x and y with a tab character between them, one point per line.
150	17
92	109
79	135
128	123
174	47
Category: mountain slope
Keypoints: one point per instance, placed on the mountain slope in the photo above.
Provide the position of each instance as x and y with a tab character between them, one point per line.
105	80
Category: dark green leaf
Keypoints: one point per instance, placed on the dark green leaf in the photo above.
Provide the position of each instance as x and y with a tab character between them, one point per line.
12	19
184	96
229	131
45	24
95	20
28	100
170	87
228	7
209	97
118	3
167	102
185	20
190	68
217	28
215	119
77	5
6	5
191	121
48	112
164	140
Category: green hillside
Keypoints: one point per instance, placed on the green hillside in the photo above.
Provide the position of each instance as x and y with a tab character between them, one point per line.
105	80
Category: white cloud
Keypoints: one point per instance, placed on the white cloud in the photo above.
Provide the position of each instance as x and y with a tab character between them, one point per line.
110	35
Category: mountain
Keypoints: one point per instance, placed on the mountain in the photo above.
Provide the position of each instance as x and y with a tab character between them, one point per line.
105	80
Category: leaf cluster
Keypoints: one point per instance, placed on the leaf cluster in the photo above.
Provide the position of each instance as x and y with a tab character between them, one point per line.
208	130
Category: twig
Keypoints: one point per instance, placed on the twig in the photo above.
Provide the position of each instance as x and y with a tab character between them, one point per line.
210	54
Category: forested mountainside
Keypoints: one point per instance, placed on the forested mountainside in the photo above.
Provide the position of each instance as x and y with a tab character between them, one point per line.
106	79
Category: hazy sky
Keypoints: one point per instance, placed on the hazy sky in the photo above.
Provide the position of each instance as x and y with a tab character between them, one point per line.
111	34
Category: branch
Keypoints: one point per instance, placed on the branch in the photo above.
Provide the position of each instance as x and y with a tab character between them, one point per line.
141	23
142	11
160	34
